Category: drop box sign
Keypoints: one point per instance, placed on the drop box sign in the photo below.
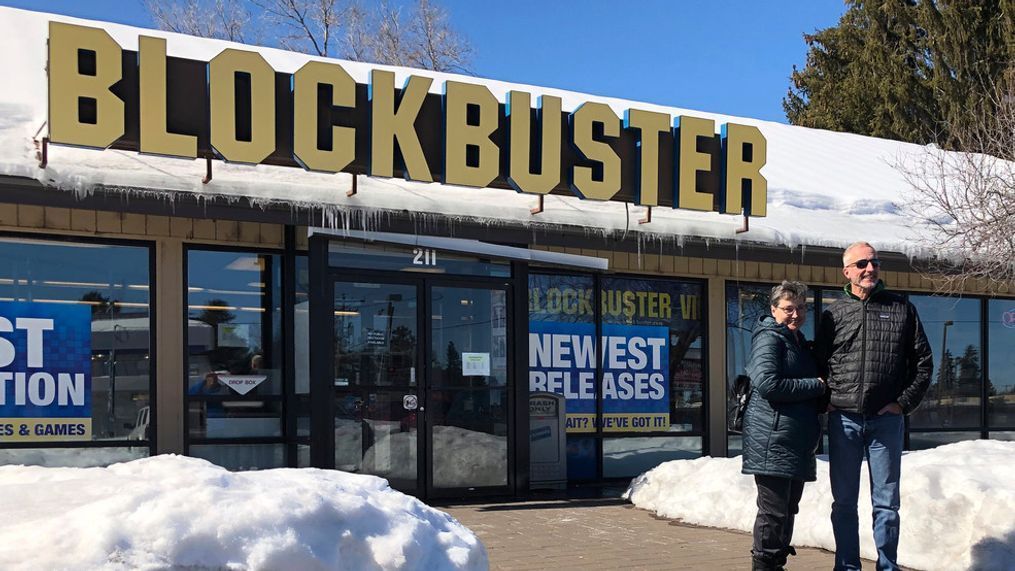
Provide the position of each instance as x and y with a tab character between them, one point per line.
45	372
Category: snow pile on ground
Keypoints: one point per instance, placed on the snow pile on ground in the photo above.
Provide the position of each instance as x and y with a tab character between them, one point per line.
958	504
173	511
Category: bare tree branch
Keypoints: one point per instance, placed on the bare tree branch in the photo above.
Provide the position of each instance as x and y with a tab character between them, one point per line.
327	28
966	199
220	19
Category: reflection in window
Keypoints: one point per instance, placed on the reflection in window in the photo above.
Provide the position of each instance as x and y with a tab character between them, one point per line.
746	304
469	372
628	457
1001	369
653	368
953	330
234	364
925	440
241	456
108	285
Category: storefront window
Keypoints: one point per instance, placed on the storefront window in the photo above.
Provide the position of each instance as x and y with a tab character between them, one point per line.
746	304
76	348
562	359
628	457
953	330
1001	367
925	440
652	365
653	371
234	387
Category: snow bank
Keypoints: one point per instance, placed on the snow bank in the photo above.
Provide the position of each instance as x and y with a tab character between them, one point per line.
958	504
170	511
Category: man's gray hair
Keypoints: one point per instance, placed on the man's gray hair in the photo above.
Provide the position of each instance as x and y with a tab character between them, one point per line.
845	253
796	291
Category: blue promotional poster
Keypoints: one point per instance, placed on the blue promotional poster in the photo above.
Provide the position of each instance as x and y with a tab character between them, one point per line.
45	372
635	371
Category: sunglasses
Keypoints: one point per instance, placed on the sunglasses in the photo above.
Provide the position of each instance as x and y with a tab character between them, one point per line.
862	264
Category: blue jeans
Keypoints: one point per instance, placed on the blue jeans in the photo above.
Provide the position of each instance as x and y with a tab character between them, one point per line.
878	439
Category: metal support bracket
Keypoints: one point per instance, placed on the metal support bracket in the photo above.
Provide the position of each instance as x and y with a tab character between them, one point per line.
746	225
355	186
43	153
207	173
538	208
648	216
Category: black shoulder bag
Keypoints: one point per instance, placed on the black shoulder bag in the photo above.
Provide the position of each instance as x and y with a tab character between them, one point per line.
741	396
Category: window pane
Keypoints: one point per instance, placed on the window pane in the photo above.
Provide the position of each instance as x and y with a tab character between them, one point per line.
562	359
469	337
215	418
469	437
1001	370
953	330
628	457
375	434
653	370
234	331
241	456
925	440
1007	436
97	296
71	457
301	316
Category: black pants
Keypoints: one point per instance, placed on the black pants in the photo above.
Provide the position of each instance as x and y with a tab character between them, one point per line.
778	504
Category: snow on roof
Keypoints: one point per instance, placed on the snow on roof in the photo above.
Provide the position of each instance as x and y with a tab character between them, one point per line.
957	504
825	188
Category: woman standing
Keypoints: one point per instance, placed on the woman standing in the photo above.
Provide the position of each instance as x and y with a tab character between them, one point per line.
781	430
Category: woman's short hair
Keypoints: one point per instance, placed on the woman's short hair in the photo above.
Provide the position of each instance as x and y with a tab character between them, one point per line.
787	289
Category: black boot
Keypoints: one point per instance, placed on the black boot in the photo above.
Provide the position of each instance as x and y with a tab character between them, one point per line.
780	561
759	563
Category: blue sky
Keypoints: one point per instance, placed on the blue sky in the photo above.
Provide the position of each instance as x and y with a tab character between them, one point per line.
731	56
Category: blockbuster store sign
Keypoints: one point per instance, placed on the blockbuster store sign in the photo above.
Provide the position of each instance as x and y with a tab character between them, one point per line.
235	107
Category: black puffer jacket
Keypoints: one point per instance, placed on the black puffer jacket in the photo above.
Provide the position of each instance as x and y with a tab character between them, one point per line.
874	352
781	429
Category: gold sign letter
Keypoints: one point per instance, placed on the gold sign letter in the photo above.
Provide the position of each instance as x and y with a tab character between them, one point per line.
155	137
222	72
746	153
520	175
70	86
649	125
343	94
388	125
459	135
690	161
582	182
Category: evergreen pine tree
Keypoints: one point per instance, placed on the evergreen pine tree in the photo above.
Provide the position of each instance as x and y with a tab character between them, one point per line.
904	70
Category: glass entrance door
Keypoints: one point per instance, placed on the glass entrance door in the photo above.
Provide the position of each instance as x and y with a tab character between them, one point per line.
467	389
420	384
376	365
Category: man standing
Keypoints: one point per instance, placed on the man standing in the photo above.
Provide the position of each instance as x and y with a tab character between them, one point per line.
873	349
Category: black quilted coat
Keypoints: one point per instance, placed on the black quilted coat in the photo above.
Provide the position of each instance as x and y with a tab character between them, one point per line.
875	352
781	430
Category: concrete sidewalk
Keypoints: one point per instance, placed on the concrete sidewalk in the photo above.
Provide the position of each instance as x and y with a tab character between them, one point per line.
560	534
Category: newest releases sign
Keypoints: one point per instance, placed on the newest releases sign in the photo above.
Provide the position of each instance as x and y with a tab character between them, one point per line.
45	372
237	108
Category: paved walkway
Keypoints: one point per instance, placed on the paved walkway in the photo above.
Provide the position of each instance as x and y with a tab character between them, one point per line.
607	534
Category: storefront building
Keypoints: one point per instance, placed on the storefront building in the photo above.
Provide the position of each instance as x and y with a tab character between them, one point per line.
240	254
